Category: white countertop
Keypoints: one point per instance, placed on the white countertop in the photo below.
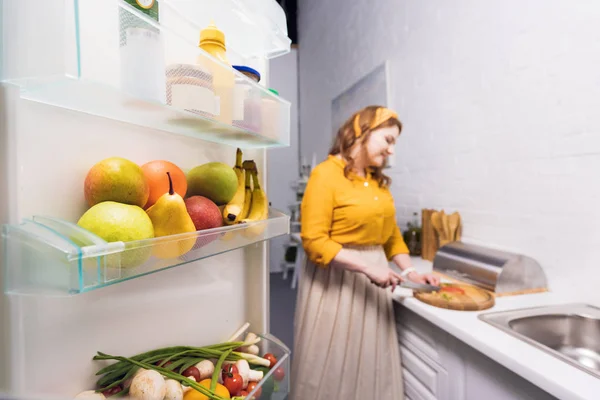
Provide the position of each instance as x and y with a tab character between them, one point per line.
553	375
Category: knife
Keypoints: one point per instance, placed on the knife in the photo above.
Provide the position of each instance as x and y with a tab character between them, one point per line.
419	287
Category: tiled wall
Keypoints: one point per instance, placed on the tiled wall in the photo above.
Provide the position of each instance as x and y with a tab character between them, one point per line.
501	107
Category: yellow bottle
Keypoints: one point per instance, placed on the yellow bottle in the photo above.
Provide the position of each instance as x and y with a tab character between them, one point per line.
212	40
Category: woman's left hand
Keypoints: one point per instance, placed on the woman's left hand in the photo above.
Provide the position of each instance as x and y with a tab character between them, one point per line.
424	278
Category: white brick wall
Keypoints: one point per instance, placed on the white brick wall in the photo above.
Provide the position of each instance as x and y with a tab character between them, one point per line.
501	107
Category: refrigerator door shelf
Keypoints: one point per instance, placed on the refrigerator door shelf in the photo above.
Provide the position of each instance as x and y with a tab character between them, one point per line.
253	28
48	256
273	386
108	59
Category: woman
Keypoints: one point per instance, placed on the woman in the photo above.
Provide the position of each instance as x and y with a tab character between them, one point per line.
345	337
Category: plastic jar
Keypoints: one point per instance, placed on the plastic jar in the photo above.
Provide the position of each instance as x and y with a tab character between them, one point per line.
190	88
246	99
270	114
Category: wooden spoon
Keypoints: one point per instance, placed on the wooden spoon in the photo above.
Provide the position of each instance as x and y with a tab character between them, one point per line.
447	232
454	224
436	221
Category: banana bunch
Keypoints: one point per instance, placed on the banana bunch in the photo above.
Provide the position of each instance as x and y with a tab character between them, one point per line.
257	202
234	210
249	203
247	189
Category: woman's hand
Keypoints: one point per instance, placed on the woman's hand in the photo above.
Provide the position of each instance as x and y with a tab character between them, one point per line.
383	276
424	278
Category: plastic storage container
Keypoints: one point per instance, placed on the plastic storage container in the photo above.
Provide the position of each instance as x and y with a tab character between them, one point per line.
119	69
270	115
190	87
246	106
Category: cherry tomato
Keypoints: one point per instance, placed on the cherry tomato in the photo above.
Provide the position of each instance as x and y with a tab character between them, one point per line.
251	387
192	371
451	289
278	374
229	369
233	383
271	358
112	391
159	362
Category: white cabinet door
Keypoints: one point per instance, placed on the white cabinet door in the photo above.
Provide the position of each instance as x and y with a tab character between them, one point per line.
422	378
486	379
437	366
425	378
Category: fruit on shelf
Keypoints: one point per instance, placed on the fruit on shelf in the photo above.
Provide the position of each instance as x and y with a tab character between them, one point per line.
112	391
278	374
220	391
116	179
233	382
215	180
232	212
204	212
251	387
247	194
259	206
272	359
155	173
117	222
170	217
192	372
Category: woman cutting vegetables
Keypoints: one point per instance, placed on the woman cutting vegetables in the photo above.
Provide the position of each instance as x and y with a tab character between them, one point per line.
345	337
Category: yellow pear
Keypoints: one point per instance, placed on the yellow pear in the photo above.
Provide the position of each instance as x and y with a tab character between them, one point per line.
169	216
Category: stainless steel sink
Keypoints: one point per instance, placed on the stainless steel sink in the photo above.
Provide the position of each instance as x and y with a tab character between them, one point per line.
569	332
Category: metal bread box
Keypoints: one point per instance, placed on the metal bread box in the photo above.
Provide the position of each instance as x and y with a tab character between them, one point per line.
494	270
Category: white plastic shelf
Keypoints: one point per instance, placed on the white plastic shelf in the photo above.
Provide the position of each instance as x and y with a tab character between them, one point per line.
107	58
55	257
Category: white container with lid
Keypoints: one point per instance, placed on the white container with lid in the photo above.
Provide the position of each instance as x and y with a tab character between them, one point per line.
246	100
270	114
190	88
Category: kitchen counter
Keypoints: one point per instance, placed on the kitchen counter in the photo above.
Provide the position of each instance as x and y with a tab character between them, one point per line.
556	377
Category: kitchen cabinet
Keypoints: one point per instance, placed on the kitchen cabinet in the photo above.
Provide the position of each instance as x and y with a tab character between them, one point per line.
438	366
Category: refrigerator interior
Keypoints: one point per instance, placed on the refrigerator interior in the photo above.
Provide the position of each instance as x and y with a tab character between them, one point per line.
64	106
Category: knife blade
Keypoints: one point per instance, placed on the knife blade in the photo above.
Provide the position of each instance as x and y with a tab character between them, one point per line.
419	287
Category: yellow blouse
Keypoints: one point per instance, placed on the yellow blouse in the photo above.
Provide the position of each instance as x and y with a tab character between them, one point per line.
339	211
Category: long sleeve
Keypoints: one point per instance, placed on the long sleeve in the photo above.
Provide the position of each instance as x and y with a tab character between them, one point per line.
395	244
316	219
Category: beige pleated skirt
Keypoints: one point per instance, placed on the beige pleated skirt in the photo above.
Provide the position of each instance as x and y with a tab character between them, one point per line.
346	345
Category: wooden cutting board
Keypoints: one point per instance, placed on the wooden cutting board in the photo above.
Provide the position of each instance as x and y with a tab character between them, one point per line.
458	296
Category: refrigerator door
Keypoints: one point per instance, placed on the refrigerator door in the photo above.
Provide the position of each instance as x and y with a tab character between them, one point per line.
48	143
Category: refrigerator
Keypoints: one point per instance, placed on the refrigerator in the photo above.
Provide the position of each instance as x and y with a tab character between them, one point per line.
85	80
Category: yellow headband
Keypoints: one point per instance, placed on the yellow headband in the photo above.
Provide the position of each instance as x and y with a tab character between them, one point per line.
381	115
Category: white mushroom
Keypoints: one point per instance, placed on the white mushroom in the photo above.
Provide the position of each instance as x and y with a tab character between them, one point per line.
127	383
185	388
90	395
174	390
206	368
248	375
148	385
